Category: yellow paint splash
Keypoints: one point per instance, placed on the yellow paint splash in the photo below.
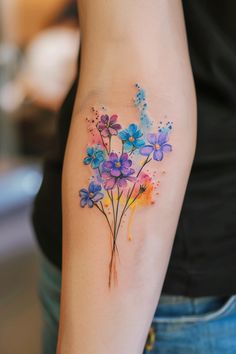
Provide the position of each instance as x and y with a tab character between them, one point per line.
131	217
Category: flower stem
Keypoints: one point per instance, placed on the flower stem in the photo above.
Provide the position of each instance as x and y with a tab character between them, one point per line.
103	143
126	207
101	209
122	151
109	144
99	172
114	247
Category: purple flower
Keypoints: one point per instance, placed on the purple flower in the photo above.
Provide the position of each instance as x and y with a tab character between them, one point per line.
108	126
117	170
157	146
91	196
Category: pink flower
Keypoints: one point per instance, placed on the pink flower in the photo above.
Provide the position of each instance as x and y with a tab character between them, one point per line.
108	126
117	170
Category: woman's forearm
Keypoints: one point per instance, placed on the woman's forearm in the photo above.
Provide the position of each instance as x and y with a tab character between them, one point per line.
117	238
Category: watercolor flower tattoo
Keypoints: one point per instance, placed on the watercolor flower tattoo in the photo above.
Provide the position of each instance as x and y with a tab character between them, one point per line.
94	157
117	171
132	138
120	180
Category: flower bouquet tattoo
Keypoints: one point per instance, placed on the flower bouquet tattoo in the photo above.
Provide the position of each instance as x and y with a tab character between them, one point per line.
120	179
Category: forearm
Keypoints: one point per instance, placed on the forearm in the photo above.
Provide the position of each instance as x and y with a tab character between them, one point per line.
108	310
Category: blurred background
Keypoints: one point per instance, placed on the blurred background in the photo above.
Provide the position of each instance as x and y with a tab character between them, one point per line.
39	42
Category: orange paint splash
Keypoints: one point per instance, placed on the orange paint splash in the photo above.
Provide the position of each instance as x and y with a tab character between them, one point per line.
130	237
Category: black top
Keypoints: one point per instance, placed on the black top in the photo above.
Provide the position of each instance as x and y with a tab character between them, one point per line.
203	256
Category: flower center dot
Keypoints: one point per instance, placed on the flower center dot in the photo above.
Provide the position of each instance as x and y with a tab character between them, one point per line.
157	147
131	139
91	195
117	164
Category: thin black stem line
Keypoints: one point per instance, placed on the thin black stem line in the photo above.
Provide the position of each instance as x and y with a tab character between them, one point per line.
113	207
104	213
108	221
103	142
130	194
115	213
109	145
123	212
132	151
122	151
144	164
128	206
99	171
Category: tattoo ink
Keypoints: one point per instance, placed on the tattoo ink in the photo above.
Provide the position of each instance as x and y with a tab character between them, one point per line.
121	180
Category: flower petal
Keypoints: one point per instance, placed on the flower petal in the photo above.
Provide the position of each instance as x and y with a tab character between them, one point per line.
107	165
128	146
106	175
90	151
146	150
112	131
121	182
138	134
124	157
131	171
126	163
93	187
158	155
101	126
110	183
98	196
96	187
105	132
115	172
99	153
87	160
95	163
83	202
113	118
90	203
132	129
124	135
113	157
105	118
162	138
138	143
152	138
116	126
83	193
131	178
166	148
125	171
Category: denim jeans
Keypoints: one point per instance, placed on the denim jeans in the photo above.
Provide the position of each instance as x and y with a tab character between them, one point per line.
181	325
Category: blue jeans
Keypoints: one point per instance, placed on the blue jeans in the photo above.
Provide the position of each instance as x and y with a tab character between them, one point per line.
181	325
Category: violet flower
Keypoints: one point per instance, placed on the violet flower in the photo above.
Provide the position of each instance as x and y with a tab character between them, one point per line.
117	171
91	196
158	146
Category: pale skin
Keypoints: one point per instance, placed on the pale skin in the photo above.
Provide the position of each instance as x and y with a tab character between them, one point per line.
124	42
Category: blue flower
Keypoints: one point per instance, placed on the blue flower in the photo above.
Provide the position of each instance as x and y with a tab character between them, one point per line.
91	196
131	137
94	157
158	145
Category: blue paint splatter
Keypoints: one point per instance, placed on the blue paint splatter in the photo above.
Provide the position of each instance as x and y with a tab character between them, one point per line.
141	103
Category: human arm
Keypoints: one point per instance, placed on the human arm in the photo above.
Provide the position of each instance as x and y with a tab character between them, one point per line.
123	43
